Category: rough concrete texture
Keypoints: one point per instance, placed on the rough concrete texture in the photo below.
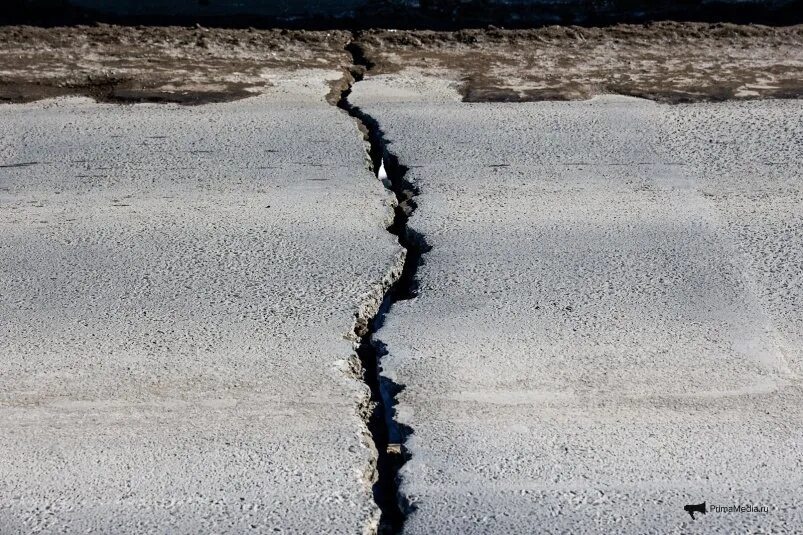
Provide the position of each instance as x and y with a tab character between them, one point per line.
608	322
177	287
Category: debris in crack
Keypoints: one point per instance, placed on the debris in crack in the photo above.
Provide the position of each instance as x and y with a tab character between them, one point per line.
388	435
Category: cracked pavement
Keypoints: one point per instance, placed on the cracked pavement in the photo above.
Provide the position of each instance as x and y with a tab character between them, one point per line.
608	322
605	325
177	287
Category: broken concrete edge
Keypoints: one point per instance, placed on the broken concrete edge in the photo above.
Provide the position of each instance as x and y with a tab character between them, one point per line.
374	408
364	367
378	412
469	90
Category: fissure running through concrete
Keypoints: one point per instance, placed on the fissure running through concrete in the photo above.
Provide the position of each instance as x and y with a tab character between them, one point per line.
388	436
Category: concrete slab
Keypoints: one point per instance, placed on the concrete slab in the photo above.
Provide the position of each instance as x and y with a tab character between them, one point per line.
176	289
607	326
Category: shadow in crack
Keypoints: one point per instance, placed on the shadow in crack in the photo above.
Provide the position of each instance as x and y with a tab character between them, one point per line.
389	437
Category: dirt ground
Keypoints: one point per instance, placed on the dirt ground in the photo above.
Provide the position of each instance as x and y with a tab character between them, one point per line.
156	64
671	62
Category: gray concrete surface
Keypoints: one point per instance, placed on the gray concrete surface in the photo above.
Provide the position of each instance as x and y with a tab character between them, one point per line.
176	284
608	324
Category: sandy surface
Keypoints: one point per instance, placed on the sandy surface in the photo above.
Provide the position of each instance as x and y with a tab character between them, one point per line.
176	289
607	324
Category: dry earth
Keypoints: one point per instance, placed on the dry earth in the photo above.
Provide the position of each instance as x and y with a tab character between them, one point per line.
156	64
671	62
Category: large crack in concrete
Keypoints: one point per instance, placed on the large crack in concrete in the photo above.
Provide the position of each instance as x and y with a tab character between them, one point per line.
387	435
